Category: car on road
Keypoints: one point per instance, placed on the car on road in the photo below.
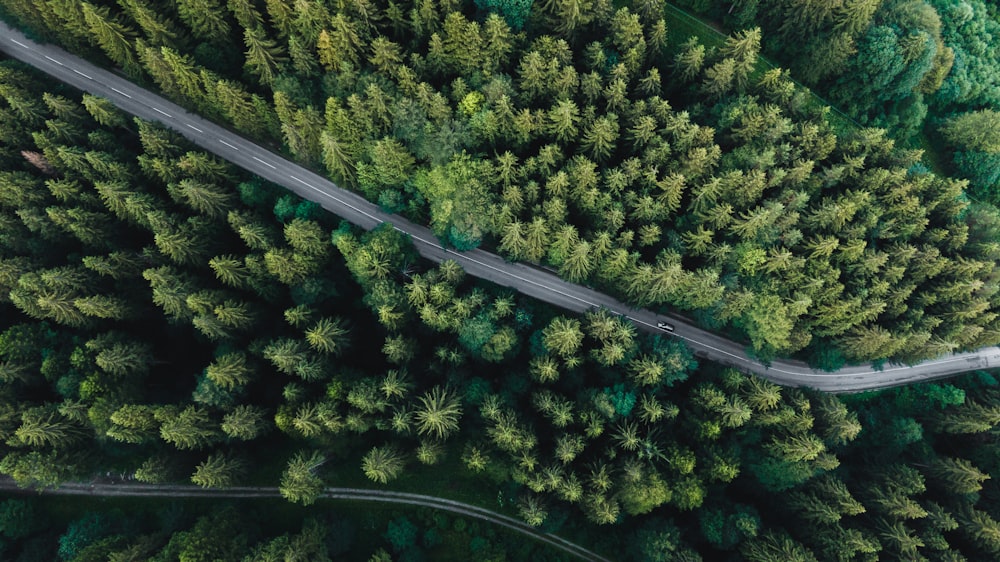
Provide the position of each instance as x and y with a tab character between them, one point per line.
665	327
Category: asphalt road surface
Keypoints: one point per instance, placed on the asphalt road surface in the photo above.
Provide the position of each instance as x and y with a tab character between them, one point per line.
531	281
130	489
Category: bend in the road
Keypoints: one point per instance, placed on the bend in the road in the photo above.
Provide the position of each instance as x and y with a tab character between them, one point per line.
527	280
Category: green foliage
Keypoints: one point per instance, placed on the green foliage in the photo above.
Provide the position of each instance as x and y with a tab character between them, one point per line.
621	399
974	131
17	519
299	482
735	201
658	540
289	207
402	534
644	496
459	196
382	464
514	12
727	530
218	471
84	532
981	169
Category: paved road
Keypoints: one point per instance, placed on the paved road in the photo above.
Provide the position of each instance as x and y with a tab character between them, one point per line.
123	489
530	281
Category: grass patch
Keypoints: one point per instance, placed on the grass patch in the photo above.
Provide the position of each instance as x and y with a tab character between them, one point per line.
933	157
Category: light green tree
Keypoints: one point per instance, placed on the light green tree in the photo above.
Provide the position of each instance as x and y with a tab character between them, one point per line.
438	413
218	471
382	464
299	482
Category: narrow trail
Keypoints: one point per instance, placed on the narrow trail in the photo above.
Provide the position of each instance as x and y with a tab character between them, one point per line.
134	490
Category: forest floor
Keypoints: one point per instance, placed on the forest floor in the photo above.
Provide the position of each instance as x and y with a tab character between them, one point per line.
113	487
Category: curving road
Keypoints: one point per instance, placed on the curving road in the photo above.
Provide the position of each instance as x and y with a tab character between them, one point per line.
528	280
123	489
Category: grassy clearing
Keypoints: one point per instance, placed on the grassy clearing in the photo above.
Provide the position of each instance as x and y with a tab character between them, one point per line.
933	158
682	25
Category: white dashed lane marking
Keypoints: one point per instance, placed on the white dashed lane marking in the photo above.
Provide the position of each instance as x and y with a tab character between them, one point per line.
268	164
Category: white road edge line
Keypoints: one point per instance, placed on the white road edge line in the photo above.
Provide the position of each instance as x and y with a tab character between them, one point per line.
161	112
227	144
81	74
20	43
193	127
337	199
268	164
121	92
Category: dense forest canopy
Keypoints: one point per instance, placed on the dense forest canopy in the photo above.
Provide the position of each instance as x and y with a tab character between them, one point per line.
674	176
167	316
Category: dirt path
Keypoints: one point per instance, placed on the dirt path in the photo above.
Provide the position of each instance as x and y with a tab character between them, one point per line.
132	490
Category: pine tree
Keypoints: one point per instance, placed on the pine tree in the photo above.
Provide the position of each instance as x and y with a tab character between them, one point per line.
299	482
382	464
43	427
159	30
113	37
563	336
328	336
230	371
206	18
205	198
190	428
245	422
263	55
230	270
438	413
133	423
103	111
101	306
218	471
245	13
958	476
772	547
600	138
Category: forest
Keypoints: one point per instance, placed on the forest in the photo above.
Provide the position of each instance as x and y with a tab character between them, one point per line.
200	531
167	316
647	166
925	70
